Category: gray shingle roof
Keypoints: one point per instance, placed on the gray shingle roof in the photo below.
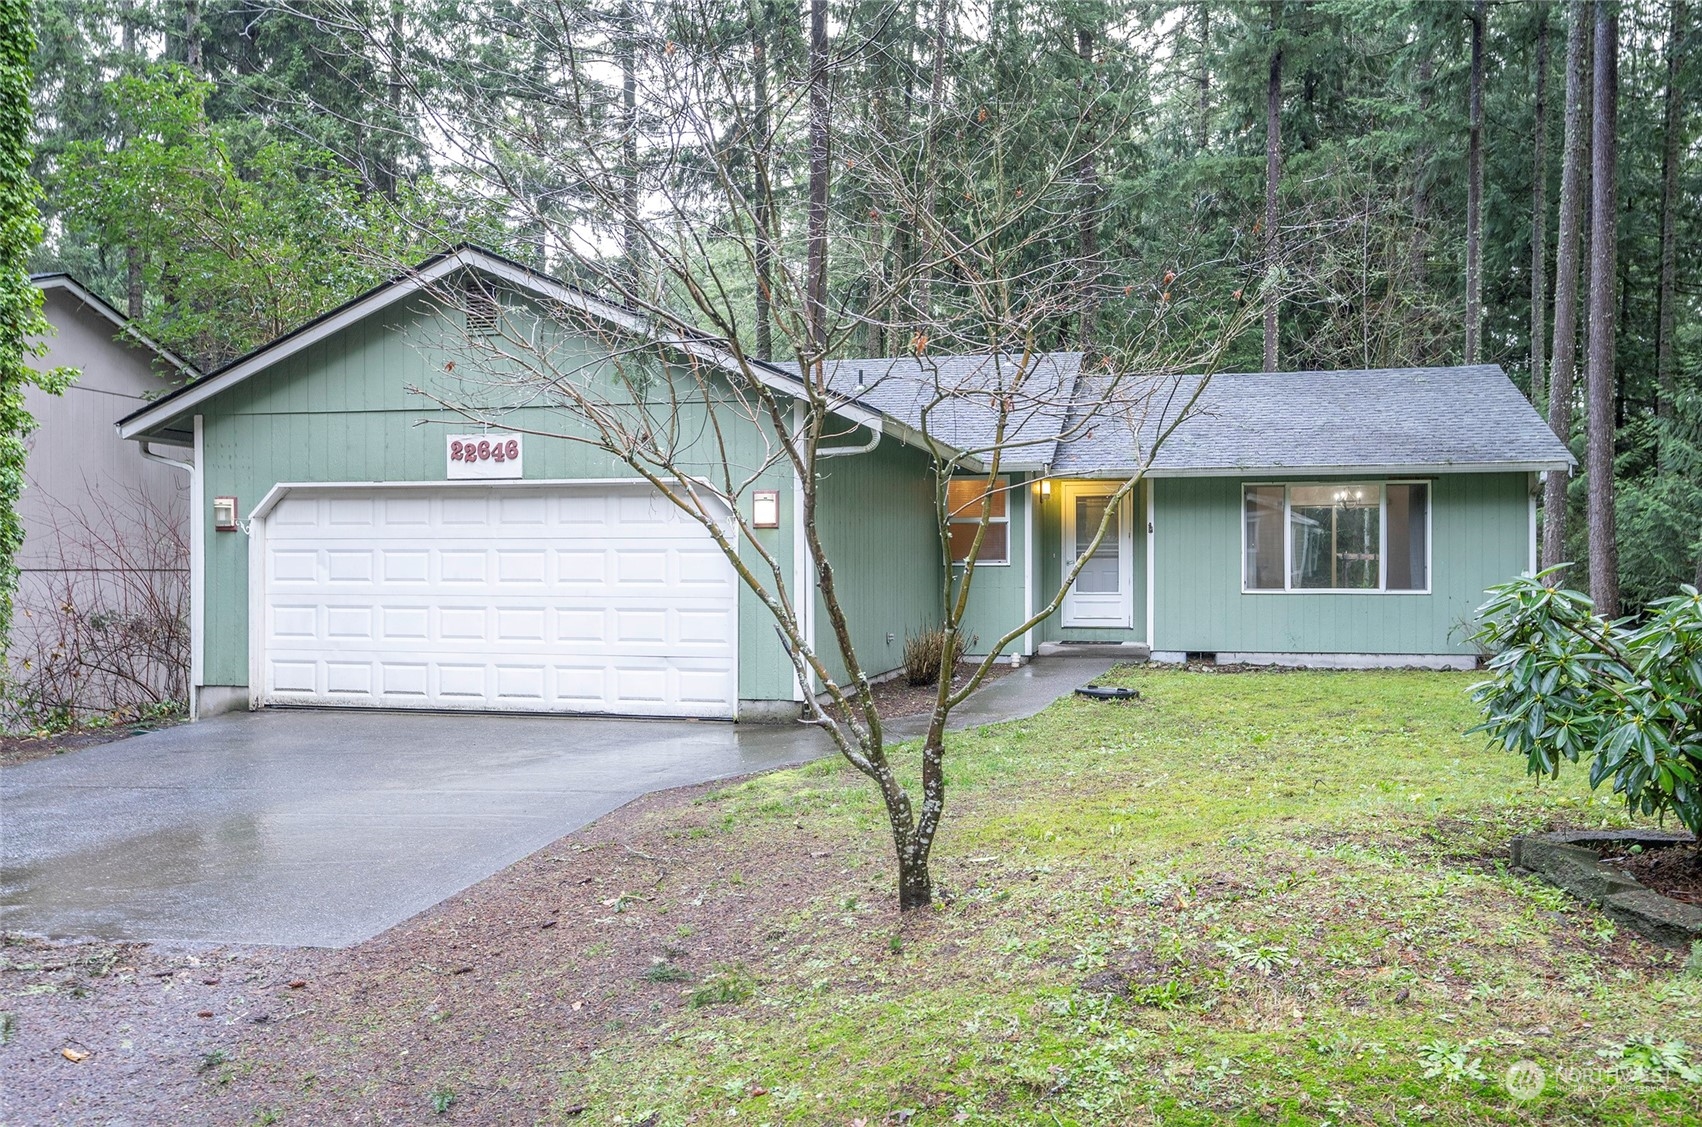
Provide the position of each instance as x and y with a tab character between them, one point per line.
956	397
1394	418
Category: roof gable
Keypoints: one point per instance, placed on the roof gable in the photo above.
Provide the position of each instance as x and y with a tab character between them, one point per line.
72	288
421	279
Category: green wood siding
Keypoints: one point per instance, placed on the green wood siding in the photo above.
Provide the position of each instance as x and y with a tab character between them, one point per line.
996	595
1480	535
876	521
340	412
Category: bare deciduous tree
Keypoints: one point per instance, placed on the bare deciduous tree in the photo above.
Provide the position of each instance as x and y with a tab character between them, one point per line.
673	391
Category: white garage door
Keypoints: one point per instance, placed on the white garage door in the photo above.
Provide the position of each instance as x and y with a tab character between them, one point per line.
548	599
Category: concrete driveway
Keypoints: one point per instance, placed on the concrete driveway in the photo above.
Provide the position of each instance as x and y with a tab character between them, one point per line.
321	829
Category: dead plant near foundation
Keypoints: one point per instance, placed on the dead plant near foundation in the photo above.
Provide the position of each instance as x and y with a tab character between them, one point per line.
101	627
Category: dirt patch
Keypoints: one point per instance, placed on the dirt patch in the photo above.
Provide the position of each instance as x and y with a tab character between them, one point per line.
494	995
1674	872
25	749
897	697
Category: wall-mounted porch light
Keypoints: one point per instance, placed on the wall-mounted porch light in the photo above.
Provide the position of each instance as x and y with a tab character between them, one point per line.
765	508
224	514
1045	488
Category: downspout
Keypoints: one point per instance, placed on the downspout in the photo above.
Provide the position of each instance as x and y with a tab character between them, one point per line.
147	452
841	451
196	564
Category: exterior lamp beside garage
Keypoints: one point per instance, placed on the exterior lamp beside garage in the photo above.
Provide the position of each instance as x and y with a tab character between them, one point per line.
765	508
224	514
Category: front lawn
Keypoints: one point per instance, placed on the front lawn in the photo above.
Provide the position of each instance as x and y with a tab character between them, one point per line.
1261	898
1265	897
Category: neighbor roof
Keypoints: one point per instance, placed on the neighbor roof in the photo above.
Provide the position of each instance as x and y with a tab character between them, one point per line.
126	328
955	399
1411	420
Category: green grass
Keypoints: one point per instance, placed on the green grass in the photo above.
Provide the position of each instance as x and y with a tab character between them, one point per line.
1260	898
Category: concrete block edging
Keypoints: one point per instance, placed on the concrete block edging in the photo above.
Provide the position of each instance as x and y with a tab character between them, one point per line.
1571	860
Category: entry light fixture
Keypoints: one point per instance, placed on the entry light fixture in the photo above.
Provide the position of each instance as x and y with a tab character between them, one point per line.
224	514
765	508
1045	488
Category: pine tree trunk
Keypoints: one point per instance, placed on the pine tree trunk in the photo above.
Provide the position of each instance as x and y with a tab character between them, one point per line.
816	263
1421	184
936	107
134	295
1273	173
1539	218
1202	127
1087	216
1665	374
628	50
1604	215
1474	193
192	35
759	24
1566	253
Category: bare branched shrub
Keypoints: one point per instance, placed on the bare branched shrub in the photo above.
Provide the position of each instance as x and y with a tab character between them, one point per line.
102	622
925	655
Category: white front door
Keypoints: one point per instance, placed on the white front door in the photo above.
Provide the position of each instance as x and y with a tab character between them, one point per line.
1101	594
567	598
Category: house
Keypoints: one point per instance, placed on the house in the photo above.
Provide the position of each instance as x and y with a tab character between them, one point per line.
99	573
357	543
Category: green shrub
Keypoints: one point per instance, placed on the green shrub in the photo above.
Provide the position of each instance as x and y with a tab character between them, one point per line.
1567	684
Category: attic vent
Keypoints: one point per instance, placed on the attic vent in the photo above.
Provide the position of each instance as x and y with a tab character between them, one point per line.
482	310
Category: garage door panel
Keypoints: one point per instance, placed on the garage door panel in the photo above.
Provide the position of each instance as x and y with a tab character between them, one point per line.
349	565
398	679
564	599
405	565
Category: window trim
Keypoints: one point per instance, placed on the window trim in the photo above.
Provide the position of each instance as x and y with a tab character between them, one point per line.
1010	499
1382	587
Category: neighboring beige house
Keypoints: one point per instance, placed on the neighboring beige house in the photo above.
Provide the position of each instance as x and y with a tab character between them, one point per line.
101	613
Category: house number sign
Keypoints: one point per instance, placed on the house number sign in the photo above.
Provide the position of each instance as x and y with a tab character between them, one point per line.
484	456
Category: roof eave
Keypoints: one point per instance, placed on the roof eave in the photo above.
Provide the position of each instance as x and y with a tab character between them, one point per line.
1383	469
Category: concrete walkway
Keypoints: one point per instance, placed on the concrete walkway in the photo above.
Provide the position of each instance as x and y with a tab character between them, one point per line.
321	829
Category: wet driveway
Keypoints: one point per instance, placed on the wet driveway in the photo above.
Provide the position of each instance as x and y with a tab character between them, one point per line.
318	828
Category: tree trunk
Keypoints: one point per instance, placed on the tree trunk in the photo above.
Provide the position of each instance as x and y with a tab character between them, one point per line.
627	49
1474	192
816	264
192	35
936	104
1604	215
760	187
133	291
389	149
1539	218
1421	182
1273	173
1666	376
1087	216
1202	12
1564	369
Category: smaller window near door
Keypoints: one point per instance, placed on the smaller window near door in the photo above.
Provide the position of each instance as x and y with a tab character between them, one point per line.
1339	537
964	499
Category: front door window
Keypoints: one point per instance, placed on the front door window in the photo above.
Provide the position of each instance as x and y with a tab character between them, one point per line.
1101	574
